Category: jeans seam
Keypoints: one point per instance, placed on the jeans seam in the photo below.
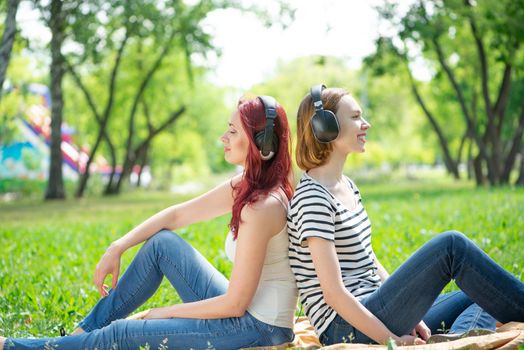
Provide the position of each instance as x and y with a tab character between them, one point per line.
262	333
173	333
495	290
126	303
383	306
175	267
475	319
83	324
446	297
181	275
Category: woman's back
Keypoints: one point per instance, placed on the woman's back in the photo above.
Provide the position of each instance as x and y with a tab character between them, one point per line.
275	299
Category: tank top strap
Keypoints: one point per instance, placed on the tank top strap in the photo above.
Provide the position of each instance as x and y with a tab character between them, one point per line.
278	198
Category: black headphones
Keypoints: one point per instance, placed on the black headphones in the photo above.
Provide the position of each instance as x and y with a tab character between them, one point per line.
265	140
324	123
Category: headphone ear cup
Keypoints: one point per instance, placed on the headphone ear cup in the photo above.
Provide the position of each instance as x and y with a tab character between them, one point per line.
259	141
325	126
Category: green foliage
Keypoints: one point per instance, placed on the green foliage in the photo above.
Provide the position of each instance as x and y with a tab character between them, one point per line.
175	84
14	103
472	51
397	135
49	251
391	344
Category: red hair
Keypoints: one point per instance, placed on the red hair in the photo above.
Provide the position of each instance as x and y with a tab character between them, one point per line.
261	177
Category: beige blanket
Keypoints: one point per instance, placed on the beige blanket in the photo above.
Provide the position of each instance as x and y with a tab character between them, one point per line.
508	337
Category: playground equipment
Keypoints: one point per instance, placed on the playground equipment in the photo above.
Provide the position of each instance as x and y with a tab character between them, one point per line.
28	156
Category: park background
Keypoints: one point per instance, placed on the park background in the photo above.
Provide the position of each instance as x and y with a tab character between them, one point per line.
139	92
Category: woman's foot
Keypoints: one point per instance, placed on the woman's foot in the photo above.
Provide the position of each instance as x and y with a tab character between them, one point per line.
78	331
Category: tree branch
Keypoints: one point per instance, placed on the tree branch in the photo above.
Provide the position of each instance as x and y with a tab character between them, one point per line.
483	64
83	88
462	101
502	99
174	116
515	147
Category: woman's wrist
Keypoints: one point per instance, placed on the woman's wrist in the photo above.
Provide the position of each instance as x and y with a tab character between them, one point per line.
117	247
384	340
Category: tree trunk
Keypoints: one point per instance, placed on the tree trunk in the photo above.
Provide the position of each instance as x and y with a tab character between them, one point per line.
520	180
516	144
470	160
55	182
479	173
153	132
112	154
143	161
451	165
8	38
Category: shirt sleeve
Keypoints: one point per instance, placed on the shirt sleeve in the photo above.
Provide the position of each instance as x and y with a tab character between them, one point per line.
313	217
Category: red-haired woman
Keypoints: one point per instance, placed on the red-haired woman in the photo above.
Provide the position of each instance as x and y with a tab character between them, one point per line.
255	307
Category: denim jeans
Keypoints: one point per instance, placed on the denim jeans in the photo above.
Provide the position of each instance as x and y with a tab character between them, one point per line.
193	277
411	293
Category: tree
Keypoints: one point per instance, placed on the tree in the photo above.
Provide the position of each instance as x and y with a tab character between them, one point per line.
57	23
155	31
452	37
8	38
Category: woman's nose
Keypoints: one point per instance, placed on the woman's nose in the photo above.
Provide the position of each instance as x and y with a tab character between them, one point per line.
365	125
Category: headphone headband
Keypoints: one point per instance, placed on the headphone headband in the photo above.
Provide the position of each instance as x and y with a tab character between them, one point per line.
316	95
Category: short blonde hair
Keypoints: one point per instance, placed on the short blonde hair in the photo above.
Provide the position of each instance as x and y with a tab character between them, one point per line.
310	153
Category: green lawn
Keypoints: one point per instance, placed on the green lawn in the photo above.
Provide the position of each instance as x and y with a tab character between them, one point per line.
49	251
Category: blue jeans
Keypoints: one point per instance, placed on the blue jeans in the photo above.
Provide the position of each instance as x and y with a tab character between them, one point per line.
194	278
411	293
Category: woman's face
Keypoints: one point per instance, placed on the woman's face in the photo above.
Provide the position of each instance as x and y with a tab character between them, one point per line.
353	126
235	140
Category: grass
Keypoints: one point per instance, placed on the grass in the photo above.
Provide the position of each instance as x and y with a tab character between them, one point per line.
49	251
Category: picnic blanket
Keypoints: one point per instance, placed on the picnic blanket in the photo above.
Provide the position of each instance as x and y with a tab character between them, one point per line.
508	337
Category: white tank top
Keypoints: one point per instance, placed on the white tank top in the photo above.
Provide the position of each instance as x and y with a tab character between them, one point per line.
275	299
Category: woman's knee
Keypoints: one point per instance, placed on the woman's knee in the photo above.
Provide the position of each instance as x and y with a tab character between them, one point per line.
165	240
162	237
451	237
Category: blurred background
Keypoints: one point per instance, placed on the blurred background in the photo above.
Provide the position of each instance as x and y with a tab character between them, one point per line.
101	97
112	110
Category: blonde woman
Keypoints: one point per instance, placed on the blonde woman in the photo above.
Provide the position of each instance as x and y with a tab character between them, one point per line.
345	291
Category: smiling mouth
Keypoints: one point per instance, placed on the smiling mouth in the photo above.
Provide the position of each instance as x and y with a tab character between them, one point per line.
362	138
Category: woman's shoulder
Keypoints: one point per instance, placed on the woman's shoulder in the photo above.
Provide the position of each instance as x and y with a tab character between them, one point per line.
266	212
310	188
273	200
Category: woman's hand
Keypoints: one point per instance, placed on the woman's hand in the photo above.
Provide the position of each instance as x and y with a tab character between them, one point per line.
422	330
109	264
156	313
409	340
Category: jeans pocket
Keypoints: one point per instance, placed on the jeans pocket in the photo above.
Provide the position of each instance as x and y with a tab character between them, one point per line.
273	335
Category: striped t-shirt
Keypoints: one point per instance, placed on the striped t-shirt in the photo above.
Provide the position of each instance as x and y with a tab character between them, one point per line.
315	212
